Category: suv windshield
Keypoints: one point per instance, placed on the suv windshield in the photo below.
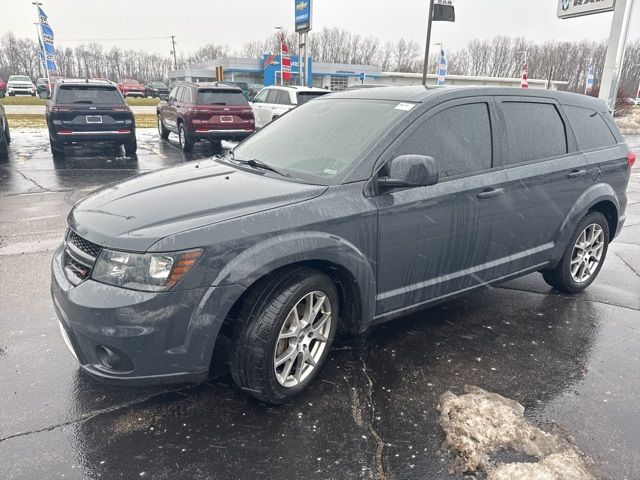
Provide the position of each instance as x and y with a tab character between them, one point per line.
158	85
19	78
89	94
130	82
321	141
304	97
221	97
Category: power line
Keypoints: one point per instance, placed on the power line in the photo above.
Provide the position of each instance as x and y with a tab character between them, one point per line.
109	39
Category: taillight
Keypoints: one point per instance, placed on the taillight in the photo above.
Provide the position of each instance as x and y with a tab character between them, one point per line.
631	159
61	109
121	108
65	132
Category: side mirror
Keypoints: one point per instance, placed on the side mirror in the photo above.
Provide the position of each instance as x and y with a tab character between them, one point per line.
408	171
163	97
1	94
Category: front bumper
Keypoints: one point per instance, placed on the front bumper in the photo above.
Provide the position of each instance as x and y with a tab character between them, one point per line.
165	337
20	91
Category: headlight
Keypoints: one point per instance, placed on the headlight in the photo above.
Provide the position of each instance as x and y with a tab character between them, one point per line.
151	272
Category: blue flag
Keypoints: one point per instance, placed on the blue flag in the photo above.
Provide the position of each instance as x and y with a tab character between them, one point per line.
591	76
48	50
442	68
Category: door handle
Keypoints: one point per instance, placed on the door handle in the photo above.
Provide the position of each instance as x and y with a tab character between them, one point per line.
490	193
576	173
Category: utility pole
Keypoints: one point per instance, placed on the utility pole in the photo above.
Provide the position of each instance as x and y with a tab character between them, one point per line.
426	48
615	53
175	58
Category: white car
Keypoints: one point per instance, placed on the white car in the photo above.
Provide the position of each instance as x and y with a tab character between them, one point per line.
271	102
20	85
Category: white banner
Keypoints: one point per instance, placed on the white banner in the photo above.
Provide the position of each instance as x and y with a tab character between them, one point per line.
578	8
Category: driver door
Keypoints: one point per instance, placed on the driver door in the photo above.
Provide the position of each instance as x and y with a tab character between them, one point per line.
437	240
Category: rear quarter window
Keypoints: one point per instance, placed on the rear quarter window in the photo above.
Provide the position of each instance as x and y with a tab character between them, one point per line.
534	131
221	97
304	97
590	128
89	94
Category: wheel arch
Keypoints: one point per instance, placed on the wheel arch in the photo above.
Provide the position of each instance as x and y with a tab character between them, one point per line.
347	266
601	198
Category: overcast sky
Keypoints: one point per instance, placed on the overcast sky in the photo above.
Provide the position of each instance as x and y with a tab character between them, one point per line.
235	22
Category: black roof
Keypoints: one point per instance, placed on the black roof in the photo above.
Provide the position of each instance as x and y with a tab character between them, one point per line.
219	85
420	93
89	81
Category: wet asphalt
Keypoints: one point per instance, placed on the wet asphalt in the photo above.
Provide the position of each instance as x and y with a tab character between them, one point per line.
572	361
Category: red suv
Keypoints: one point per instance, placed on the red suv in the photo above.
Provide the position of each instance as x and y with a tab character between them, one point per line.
205	111
131	88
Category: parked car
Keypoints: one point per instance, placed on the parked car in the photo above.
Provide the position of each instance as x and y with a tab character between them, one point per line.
131	88
349	211
272	102
3	85
20	85
156	90
87	111
244	86
5	136
205	111
43	86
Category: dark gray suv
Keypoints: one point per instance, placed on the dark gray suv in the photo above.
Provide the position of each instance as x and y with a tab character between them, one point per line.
348	211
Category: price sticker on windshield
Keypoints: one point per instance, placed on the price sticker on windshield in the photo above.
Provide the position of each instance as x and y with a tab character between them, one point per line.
405	106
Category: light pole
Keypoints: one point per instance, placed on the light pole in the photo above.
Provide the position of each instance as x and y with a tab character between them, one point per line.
280	31
426	48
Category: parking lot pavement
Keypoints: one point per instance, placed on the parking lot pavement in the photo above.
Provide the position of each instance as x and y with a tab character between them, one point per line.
572	361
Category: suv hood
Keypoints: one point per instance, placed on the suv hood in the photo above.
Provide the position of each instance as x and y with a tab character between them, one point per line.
135	214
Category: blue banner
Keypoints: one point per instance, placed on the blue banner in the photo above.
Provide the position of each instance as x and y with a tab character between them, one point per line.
442	68
49	51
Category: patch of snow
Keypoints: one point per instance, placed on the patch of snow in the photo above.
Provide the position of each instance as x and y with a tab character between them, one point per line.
478	424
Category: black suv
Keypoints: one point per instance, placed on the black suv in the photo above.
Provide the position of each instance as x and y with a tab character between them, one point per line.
82	111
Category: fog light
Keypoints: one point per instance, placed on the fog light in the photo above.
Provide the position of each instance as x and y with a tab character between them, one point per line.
113	360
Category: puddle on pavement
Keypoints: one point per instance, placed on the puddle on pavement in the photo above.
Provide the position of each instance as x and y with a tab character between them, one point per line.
480	426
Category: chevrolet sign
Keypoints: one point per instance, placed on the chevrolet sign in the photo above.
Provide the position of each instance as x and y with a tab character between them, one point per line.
303	14
578	8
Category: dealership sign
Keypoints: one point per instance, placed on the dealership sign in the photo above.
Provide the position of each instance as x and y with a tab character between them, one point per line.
303	15
578	8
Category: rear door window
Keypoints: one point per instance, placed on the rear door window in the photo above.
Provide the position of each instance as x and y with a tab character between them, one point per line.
221	97
283	98
589	127
272	96
458	139
304	97
534	131
89	95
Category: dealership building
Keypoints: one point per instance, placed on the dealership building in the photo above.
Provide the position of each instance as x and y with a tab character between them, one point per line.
334	76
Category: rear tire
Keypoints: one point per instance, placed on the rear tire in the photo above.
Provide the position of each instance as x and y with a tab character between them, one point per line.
57	150
263	363
131	147
186	143
583	257
162	131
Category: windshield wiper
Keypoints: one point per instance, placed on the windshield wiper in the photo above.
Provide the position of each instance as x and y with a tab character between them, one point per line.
255	163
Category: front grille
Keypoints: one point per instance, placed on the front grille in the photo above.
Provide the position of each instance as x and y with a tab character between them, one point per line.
85	246
79	257
79	270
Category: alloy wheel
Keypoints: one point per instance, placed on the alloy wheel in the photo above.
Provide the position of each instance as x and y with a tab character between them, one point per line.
302	339
587	253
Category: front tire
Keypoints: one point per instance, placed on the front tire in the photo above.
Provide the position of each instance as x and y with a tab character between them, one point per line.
283	334
162	131
583	257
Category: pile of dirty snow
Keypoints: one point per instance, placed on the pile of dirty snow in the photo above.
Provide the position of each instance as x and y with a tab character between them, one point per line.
478	424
